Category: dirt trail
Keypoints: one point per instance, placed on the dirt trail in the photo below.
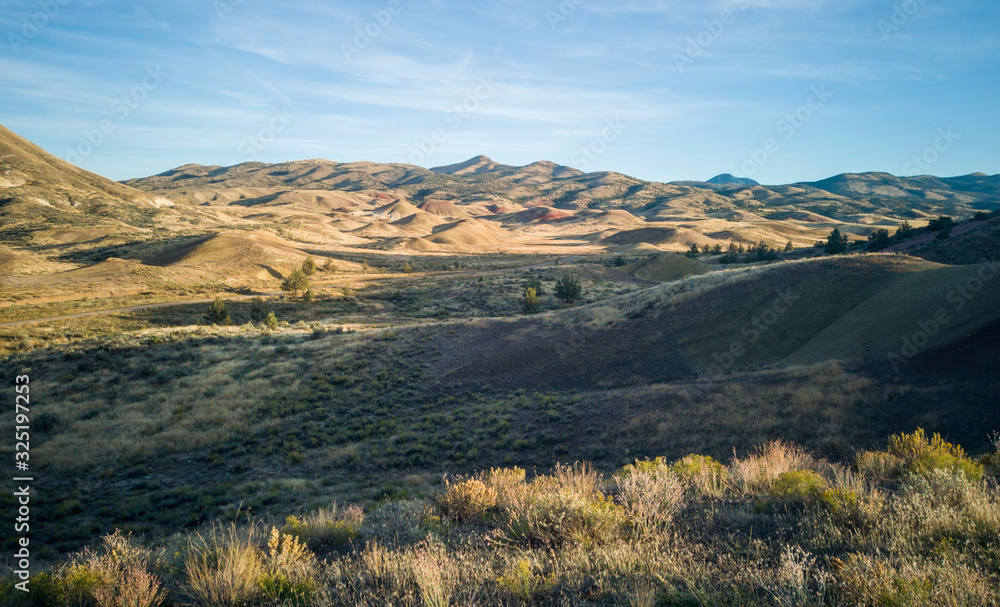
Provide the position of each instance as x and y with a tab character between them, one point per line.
342	280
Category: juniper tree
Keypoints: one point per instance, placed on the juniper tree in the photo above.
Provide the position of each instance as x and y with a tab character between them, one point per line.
836	243
296	281
568	289
309	266
217	312
258	309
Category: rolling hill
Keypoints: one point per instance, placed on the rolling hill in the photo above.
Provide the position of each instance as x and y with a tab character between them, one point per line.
39	193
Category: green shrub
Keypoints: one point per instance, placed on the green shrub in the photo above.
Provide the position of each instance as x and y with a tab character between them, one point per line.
44	590
326	528
848	508
533	283
77	584
990	463
565	507
643	465
702	473
921	455
523	583
279	589
798	487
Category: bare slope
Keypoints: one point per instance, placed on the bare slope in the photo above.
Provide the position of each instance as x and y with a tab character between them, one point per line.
666	267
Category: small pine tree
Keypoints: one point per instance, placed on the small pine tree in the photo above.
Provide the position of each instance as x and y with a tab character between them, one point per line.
407	269
878	240
762	252
835	243
941	223
568	289
258	309
296	281
904	231
706	250
309	296
309	266
328	267
620	261
789	246
693	251
717	249
217	312
271	321
530	303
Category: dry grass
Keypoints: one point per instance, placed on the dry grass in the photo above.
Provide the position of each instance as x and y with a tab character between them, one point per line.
758	472
224	567
931	540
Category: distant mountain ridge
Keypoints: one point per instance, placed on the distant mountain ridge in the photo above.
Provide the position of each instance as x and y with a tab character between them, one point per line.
543	183
38	188
726	179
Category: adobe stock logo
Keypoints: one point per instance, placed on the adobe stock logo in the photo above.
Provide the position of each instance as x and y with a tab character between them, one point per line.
48	9
256	143
365	35
424	148
753	331
122	109
586	154
562	13
787	126
922	162
713	30
901	15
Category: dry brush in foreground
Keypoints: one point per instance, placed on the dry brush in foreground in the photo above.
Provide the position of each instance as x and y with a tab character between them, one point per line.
915	524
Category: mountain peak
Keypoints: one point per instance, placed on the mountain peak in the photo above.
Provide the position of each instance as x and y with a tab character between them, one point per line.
729	179
472	166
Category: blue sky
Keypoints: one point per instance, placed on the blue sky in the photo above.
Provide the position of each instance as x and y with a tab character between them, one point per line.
777	90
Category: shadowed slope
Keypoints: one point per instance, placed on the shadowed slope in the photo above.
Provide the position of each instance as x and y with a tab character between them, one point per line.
787	313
